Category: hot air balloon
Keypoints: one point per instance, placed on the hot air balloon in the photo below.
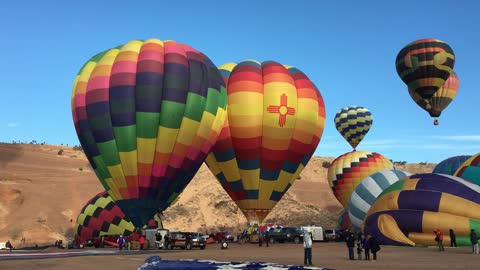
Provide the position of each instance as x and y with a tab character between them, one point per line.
275	121
101	216
424	65
410	210
367	192
343	221
349	169
440	100
146	114
353	123
470	169
450	165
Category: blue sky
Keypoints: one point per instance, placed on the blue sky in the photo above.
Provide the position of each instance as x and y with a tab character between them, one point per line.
347	48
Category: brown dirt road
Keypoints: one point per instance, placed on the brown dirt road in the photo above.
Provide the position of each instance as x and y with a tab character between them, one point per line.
330	255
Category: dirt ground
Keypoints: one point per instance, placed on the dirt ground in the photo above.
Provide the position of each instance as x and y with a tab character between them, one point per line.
329	255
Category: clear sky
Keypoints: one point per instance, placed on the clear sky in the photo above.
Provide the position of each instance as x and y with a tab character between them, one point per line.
347	48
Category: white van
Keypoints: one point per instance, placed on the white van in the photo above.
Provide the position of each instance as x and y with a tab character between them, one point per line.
3	245
317	232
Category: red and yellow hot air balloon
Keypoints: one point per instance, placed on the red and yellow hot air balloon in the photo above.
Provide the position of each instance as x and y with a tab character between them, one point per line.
349	169
275	119
441	99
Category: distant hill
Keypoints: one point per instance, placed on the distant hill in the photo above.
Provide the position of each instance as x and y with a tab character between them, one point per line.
43	188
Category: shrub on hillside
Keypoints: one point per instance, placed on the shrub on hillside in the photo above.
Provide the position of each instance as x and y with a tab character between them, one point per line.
77	148
326	164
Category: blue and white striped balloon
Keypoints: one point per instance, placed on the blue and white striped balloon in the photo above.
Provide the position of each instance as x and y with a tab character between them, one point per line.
367	192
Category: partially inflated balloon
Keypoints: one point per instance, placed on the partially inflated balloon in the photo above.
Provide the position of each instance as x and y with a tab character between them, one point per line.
450	165
410	210
349	169
275	121
353	123
470	169
424	65
367	192
101	216
147	113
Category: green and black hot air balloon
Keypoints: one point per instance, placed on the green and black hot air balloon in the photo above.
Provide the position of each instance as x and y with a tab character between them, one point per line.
424	65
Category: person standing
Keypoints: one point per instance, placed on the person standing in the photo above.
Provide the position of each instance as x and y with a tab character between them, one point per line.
102	242
260	238
141	241
474	241
9	246
453	238
120	242
267	237
366	247
439	239
374	246
359	248
307	246
158	240
350	240
166	241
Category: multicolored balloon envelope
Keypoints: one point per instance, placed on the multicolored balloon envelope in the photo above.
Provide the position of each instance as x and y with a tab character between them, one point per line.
353	123
470	169
349	169
367	192
424	65
146	114
410	210
344	221
450	165
101	216
275	121
441	99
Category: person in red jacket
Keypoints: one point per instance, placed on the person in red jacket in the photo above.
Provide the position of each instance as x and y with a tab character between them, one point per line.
439	239
142	241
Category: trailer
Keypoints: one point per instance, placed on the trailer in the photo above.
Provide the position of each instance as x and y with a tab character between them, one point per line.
317	232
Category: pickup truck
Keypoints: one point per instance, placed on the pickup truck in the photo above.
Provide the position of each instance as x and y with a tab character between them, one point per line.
287	234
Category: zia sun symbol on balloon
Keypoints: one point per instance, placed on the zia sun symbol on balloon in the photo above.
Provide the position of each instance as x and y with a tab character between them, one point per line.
283	110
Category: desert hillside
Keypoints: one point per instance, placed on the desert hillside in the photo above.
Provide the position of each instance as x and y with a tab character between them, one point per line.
43	188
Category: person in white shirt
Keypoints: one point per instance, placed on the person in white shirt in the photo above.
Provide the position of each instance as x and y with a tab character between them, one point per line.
307	245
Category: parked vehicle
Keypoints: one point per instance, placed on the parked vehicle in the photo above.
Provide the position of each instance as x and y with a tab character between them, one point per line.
333	235
287	234
197	239
224	236
317	232
179	239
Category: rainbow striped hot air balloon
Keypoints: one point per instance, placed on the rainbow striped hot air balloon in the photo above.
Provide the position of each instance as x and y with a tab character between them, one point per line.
410	210
275	121
146	114
470	169
349	169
